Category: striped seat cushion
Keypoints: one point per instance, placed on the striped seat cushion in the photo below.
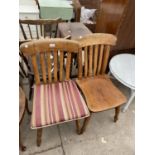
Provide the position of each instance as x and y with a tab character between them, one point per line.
57	103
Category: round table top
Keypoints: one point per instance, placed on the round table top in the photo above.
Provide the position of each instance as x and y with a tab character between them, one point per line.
122	66
22	102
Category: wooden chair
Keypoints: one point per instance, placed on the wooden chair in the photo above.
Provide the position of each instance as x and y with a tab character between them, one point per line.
35	29
23	104
56	100
97	88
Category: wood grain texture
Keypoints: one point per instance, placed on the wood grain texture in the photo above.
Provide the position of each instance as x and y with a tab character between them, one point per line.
34	33
55	65
95	58
126	31
100	93
96	39
47	44
80	63
35	69
61	65
43	67
90	60
110	16
77	9
100	59
47	48
85	61
105	58
49	61
68	66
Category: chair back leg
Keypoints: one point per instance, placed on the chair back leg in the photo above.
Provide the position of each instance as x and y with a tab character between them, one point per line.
117	110
39	135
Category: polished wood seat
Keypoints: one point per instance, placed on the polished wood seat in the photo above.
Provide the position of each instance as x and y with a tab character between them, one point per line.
100	93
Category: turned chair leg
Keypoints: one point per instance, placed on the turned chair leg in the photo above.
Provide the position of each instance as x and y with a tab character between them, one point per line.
77	126
39	135
21	146
83	128
117	110
85	123
27	108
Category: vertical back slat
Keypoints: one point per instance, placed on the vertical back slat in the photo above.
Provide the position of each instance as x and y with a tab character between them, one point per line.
68	65
49	67
85	61
44	30
61	65
90	60
50	31
105	58
95	58
41	30
55	65
80	63
35	69
30	31
55	35
23	32
43	66
100	59
37	31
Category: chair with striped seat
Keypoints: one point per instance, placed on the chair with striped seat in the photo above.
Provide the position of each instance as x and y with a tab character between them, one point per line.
56	99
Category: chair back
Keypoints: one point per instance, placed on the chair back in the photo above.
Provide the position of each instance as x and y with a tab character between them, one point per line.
51	58
35	29
94	53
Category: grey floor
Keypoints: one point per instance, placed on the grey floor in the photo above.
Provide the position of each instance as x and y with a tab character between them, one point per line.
102	137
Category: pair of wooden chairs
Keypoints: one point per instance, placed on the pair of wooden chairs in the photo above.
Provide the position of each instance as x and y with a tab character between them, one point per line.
58	99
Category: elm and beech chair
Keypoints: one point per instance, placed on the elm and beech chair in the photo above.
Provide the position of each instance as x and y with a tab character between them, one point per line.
55	100
32	29
99	91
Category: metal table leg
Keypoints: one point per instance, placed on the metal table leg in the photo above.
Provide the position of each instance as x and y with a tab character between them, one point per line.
130	100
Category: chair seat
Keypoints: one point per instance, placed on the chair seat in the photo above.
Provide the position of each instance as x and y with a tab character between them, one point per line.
57	103
100	93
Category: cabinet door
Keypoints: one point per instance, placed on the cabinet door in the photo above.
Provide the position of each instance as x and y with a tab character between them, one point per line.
126	32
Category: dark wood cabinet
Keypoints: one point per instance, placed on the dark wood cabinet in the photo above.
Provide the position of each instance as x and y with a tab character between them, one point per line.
115	17
126	31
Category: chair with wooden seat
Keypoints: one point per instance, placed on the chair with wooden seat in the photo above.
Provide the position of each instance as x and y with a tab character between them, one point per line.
99	91
56	100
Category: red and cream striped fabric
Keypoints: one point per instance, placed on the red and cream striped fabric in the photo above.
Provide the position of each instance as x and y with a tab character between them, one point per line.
57	103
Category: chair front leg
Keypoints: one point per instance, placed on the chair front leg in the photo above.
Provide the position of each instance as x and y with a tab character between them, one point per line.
117	110
77	126
85	123
39	135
